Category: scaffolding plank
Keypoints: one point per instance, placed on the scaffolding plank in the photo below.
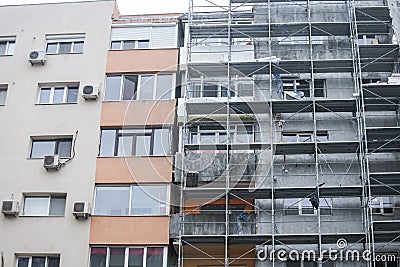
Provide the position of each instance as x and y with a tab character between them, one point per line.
386	226
379	104
323	147
373	28
260	30
381	90
389	51
296	192
382	133
322	105
373	14
243	146
389	178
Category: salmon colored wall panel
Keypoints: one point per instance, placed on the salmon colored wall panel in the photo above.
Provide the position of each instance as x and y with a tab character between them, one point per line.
129	231
142	61
134	170
138	113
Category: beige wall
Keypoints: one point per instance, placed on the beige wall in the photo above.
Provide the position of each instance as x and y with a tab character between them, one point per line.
134	170
138	113
20	118
129	230
142	61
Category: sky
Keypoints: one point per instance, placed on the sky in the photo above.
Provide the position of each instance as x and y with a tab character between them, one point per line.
127	7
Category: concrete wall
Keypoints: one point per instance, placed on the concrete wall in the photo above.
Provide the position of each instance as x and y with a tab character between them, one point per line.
22	118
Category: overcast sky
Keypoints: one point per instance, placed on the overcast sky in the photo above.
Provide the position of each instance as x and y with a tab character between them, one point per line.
127	7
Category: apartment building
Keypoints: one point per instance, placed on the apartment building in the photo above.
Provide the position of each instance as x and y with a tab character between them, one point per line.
130	221
88	117
289	134
47	57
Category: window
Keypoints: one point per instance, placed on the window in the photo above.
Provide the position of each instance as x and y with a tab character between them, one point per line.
130	44
294	206
7	46
299	137
139	87
290	84
65	44
133	200
38	261
128	256
44	205
382	205
217	134
44	147
135	142
3	94
60	94
325	263
240	87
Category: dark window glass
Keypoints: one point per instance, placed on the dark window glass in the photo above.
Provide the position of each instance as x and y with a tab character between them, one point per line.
116	45
72	95
210	90
52	48
98	257
23	262
117	256
135	257
130	87
57	206
58	95
3	95
53	261
44	95
3	47
78	47
65	48
129	45
42	148
38	261
143	44
113	88
154	257
64	148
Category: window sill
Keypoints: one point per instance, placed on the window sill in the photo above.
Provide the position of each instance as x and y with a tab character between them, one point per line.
130	216
51	54
122	157
55	104
6	55
139	100
43	158
42	216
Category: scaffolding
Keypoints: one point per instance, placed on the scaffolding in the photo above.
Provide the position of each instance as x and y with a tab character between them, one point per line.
285	101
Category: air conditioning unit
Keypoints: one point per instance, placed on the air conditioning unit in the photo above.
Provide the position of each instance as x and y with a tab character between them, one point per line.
51	162
90	92
37	57
81	210
10	207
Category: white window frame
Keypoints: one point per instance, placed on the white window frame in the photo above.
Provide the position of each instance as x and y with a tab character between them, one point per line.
138	89
136	46
65	38
235	81
52	89
167	207
33	256
49	196
299	207
298	135
8	41
233	132
381	206
126	255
